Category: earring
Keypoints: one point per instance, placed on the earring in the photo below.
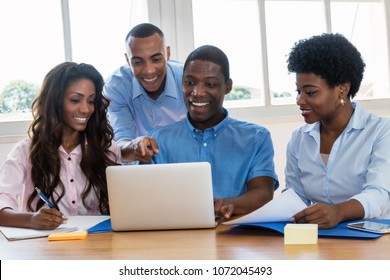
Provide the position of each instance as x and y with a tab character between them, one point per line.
341	97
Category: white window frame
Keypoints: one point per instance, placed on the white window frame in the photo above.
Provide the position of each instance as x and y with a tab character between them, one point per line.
268	113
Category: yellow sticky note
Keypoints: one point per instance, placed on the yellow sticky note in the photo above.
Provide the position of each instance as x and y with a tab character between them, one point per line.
55	236
301	234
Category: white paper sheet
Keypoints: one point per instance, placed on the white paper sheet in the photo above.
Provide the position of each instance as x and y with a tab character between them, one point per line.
280	209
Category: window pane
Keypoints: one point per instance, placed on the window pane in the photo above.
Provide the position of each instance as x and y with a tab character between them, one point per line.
364	25
234	27
286	23
99	28
32	43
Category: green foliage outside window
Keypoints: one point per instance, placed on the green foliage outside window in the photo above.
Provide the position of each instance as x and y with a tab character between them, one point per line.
17	96
238	93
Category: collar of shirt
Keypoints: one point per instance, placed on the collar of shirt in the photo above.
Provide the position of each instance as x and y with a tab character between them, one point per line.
212	131
76	151
170	85
357	121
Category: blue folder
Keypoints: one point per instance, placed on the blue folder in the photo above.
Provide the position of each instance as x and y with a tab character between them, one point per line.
104	226
340	231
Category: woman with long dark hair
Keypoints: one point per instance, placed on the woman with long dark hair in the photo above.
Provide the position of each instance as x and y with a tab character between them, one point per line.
70	145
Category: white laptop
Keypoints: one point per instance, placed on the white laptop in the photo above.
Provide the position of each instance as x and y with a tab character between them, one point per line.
160	196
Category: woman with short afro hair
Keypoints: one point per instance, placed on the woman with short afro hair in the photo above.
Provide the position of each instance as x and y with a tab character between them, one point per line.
339	161
330	56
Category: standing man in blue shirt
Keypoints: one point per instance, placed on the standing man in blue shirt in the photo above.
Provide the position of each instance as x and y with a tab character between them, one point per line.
146	93
240	153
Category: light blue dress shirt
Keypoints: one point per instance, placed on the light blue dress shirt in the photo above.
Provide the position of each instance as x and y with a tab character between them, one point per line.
237	151
358	166
133	113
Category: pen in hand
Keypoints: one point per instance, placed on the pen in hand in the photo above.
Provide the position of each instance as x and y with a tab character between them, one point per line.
45	199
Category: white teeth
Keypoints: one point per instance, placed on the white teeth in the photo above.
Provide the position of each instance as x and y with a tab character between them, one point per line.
150	80
80	119
305	111
200	103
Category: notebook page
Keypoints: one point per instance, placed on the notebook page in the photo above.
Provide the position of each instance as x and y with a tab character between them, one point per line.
13	233
85	222
74	223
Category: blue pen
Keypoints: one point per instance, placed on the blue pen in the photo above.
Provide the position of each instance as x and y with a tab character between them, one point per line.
45	199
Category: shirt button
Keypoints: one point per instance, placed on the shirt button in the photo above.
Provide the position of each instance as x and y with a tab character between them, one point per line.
69	158
71	180
73	202
205	144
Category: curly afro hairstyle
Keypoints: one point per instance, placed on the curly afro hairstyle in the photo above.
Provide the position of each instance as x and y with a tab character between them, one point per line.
332	57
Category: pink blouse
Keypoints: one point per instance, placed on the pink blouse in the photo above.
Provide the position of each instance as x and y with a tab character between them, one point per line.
16	185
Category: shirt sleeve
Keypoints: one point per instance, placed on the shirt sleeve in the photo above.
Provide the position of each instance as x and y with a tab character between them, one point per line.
292	173
13	174
120	110
375	196
264	158
160	157
117	157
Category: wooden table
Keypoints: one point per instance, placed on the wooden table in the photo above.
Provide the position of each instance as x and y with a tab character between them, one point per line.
223	243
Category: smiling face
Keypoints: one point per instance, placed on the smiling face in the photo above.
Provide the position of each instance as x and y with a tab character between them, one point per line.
148	60
316	100
79	105
204	89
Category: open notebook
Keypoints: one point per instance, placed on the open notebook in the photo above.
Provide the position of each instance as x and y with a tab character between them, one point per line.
74	223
